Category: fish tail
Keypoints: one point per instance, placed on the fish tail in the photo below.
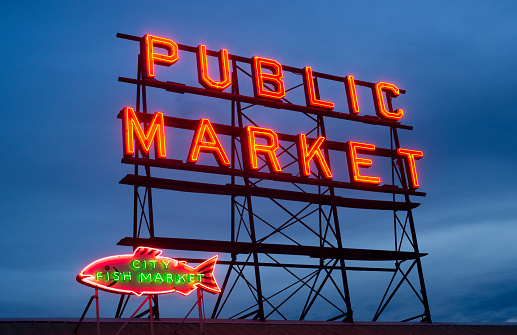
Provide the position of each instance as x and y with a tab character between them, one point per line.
207	270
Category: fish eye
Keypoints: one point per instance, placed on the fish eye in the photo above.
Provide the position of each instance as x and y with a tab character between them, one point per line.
107	267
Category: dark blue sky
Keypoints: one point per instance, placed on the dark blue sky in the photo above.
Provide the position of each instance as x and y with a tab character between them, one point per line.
61	204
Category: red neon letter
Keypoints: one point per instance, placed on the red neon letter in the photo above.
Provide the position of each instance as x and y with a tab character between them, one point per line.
411	155
212	144
274	78
202	69
310	94
305	156
152	58
132	125
351	95
355	162
379	101
269	149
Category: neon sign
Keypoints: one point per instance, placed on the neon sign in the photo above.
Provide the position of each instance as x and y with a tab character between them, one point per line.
381	87
213	145
263	80
355	162
310	93
268	156
146	272
307	155
132	126
258	143
205	140
152	58
224	70
351	94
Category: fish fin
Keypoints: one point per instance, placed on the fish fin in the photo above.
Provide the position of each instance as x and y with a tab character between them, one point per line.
207	270
147	251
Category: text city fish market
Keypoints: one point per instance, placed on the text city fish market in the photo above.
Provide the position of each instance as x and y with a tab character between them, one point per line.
206	140
149	277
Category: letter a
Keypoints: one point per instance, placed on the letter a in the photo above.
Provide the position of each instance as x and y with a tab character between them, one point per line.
212	144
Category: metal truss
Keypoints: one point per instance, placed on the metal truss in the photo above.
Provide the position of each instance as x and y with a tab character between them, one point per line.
245	219
404	231
313	261
143	214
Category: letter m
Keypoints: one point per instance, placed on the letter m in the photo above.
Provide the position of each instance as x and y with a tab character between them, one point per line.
132	126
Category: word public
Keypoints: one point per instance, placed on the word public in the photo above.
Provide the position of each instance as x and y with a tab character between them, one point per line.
274	77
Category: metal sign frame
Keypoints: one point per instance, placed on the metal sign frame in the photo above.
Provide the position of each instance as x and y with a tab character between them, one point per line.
250	254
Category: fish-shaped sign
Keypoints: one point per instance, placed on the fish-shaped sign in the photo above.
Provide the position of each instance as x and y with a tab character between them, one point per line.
146	272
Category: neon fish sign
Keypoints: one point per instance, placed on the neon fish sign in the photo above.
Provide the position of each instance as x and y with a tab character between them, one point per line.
146	272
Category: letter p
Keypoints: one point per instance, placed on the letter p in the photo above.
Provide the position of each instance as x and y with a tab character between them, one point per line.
152	58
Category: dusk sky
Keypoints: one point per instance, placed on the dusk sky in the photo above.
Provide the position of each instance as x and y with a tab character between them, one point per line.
62	206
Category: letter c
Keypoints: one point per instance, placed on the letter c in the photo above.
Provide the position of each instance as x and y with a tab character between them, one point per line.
133	264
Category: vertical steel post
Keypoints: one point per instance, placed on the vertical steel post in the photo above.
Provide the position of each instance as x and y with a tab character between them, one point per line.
423	290
251	219
232	201
135	190
97	311
201	307
150	297
321	123
132	315
148	189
